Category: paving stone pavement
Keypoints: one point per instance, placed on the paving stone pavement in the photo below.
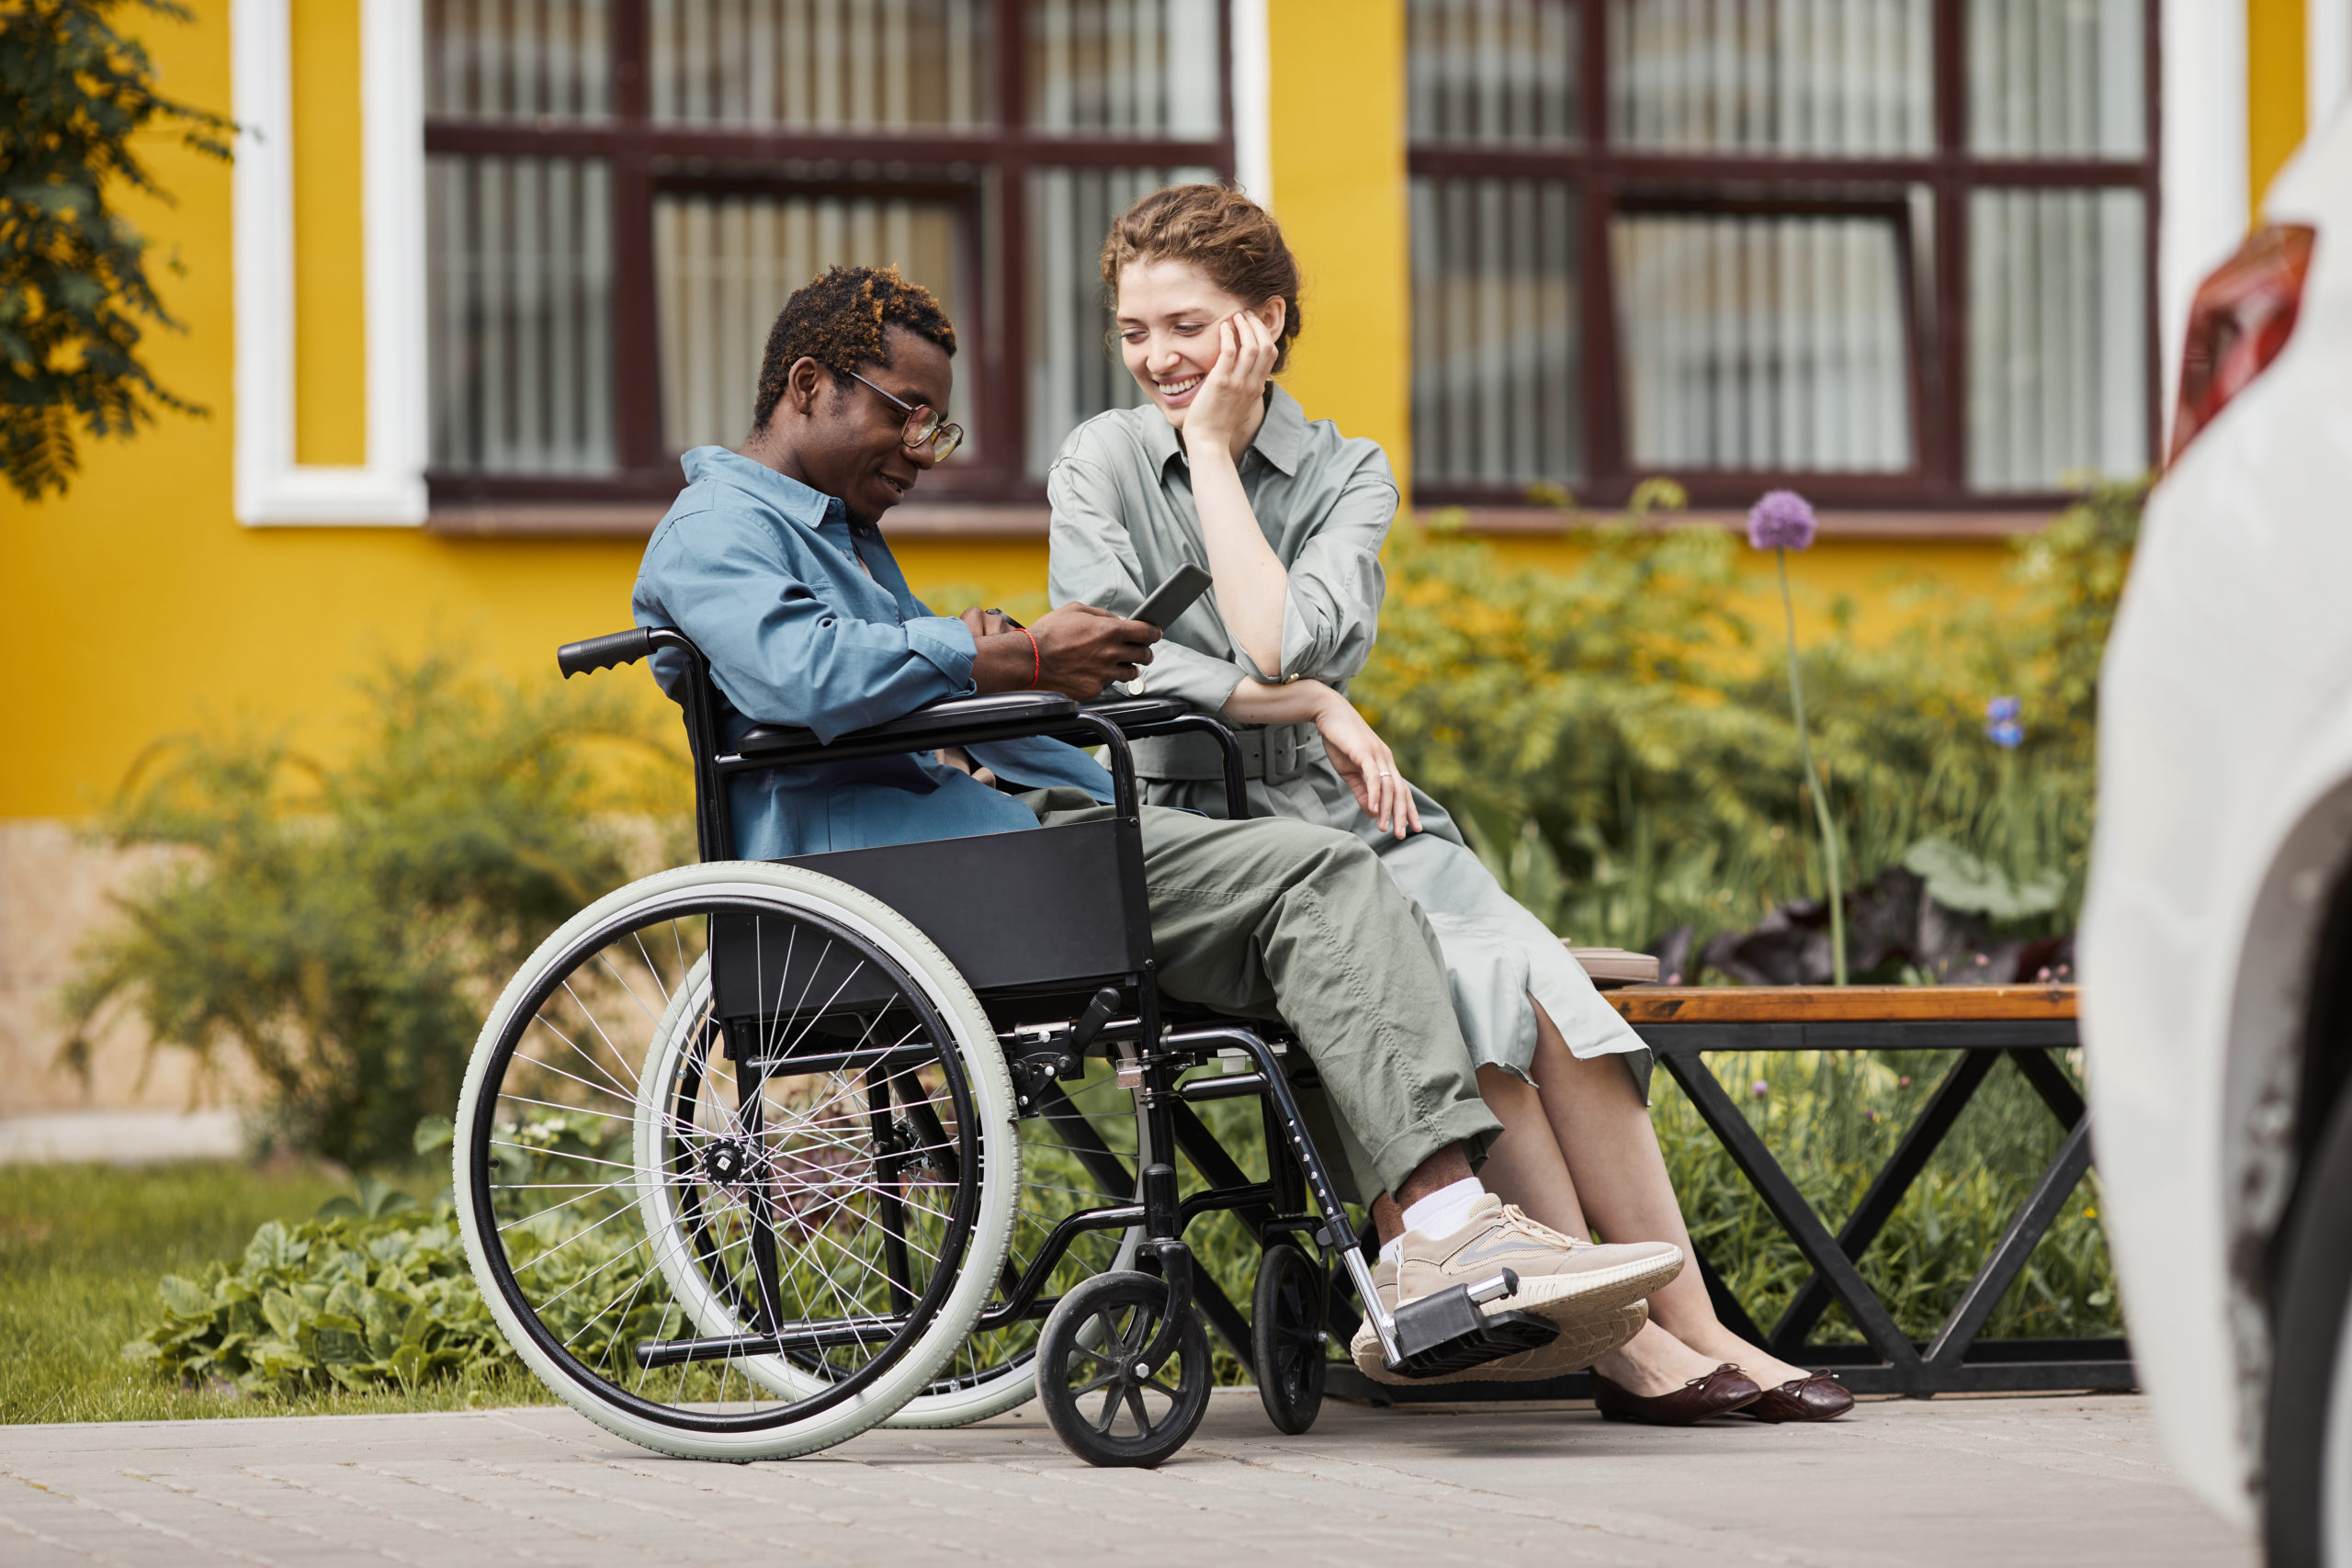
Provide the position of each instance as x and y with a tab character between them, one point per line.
1897	1484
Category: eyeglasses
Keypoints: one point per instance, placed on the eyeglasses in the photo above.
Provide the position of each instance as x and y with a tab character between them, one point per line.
924	425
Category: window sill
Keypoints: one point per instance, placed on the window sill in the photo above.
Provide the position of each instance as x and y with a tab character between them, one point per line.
980	520
1919	525
636	520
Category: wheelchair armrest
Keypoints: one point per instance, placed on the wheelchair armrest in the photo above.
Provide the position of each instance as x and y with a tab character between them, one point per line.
1139	715
959	721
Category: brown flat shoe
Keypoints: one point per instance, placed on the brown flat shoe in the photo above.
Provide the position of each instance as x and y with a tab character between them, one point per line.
1817	1398
1721	1391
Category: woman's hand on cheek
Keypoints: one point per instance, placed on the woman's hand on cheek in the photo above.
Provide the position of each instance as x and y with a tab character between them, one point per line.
1235	387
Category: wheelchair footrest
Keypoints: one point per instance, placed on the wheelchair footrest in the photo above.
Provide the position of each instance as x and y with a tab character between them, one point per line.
1447	1333
1503	1334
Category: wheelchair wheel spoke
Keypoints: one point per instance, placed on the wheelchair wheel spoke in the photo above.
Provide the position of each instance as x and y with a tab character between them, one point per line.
644	1200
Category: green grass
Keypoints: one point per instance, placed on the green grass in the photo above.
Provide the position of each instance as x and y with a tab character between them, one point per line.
81	1249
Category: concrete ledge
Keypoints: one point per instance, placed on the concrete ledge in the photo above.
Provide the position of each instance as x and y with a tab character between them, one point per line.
119	1137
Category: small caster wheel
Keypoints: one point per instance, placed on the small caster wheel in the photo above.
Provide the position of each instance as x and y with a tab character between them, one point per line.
1286	1338
1091	1346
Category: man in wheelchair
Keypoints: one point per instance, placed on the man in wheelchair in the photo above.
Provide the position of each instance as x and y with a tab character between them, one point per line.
772	562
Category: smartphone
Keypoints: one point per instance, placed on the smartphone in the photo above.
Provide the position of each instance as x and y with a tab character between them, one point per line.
1173	597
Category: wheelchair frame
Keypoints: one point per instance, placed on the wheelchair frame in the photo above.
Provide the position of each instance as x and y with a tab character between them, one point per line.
1121	1015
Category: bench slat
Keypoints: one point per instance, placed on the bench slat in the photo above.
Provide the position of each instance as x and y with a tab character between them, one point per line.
1856	1004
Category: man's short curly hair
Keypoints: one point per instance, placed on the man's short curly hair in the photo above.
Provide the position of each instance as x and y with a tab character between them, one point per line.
838	318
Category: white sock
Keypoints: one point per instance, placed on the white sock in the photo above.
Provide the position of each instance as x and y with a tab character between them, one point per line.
1393	1249
1445	1211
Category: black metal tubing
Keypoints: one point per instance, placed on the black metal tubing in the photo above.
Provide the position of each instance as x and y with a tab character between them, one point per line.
1236	782
2009	1255
1294	1127
1886	1192
2024	1376
959	721
1230	1087
1955	1360
2049	1081
1787	1205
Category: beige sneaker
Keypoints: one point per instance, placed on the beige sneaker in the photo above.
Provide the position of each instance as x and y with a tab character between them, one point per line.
1592	1324
1560	1278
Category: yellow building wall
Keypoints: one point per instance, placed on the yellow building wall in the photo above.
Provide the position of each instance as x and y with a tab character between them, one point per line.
2277	90
145	609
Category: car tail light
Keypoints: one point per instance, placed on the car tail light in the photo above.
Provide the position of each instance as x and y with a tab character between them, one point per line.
2240	319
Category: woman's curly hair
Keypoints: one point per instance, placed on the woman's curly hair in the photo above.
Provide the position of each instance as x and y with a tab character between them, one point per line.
838	318
1235	243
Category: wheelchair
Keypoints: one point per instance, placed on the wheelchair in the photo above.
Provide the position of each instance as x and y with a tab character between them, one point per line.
754	1156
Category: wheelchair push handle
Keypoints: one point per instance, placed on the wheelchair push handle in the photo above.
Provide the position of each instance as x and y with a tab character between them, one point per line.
604	652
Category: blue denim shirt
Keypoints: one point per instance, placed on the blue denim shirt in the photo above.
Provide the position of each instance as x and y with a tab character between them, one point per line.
763	573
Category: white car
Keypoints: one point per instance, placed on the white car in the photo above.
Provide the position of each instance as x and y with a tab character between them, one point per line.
2216	946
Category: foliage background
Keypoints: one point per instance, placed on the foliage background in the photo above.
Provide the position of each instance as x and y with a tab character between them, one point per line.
346	926
1617	739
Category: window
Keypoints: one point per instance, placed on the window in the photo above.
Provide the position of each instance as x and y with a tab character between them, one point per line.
621	193
1898	251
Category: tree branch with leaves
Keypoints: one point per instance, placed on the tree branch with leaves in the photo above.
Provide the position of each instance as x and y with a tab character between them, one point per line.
74	271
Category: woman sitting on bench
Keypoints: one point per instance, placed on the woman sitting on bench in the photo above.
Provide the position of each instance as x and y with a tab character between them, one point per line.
1220	468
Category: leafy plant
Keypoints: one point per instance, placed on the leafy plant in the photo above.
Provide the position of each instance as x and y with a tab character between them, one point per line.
345	927
375	1291
1627	711
355	1298
73	280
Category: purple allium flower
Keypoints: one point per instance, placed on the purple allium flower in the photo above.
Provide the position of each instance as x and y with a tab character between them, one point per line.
2001	723
1759	1089
1782	520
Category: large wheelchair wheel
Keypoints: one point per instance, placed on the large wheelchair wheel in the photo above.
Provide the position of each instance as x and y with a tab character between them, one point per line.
835	1161
1081	1152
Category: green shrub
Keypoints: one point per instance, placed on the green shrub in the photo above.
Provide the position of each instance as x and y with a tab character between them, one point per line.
375	1292
379	1295
346	928
1616	739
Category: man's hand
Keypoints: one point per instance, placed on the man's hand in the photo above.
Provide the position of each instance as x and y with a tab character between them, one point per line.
1079	651
986	623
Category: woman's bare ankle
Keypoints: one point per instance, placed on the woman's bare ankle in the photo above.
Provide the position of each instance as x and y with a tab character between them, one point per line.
1654	1362
1716	1341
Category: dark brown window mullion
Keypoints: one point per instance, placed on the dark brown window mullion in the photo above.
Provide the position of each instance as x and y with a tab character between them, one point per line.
636	350
1604	425
1007	349
1948	429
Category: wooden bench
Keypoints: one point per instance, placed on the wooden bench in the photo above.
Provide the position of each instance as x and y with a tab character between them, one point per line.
1985	1023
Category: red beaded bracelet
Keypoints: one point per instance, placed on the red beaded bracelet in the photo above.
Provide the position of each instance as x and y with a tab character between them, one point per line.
1036	653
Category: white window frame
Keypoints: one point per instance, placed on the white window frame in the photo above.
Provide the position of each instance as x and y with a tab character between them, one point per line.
272	488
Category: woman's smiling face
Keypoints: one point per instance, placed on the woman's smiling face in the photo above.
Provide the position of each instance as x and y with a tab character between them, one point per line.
1168	312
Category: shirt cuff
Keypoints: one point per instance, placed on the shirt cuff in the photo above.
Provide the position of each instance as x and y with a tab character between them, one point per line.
947	642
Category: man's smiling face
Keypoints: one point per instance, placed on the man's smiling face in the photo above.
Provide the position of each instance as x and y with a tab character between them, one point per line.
855	448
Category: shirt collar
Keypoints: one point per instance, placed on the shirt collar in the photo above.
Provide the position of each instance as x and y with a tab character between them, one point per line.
1281	439
811	507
